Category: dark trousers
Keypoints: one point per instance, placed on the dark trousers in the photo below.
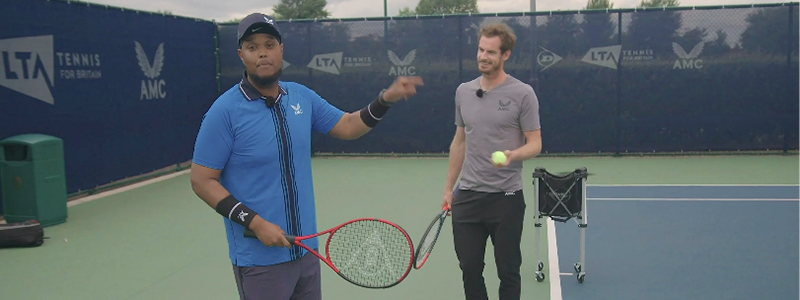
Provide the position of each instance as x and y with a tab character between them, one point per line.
478	216
296	280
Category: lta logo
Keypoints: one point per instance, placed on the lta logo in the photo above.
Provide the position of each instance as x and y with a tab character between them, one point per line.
151	88
26	66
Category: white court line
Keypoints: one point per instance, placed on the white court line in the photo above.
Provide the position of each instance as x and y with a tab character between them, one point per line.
122	189
552	254
127	188
691	199
692	185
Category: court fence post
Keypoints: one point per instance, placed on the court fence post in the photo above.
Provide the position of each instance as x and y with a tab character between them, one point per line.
789	42
617	120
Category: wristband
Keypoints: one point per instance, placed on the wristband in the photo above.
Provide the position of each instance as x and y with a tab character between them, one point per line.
236	211
373	113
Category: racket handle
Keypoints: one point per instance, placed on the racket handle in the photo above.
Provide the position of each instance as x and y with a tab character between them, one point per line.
290	238
250	234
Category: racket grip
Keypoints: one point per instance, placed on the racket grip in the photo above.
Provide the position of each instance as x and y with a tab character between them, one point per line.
251	234
290	238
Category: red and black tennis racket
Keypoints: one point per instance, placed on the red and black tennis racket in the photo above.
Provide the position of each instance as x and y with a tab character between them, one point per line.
428	240
430	236
368	252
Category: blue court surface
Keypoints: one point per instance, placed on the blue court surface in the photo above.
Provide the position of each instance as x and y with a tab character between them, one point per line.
681	242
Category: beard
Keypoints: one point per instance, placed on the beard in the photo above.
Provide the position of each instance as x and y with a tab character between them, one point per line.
492	67
266	80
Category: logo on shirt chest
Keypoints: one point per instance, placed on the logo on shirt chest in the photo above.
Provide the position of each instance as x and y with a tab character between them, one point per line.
297	109
504	106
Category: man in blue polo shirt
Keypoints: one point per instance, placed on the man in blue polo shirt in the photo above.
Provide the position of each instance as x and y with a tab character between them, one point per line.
252	164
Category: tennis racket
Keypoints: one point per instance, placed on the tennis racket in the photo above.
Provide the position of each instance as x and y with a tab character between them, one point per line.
367	252
430	236
429	239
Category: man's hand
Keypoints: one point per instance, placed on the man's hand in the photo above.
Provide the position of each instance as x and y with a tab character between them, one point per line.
510	156
268	233
402	88
448	201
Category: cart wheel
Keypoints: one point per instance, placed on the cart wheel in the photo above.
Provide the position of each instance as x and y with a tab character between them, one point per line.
541	266
577	267
581	276
539	276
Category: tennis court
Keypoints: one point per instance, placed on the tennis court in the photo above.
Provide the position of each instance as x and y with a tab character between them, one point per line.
711	228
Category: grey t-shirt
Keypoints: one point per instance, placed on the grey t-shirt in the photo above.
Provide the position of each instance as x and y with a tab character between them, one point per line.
494	122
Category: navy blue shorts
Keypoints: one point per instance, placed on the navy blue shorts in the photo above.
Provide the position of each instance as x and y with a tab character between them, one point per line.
295	280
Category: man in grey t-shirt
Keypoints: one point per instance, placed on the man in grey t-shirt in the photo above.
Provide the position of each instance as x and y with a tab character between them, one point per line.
494	112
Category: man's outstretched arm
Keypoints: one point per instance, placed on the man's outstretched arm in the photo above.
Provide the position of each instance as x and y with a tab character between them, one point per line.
353	125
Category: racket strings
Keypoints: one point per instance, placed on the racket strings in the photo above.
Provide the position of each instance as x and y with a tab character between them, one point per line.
430	239
370	253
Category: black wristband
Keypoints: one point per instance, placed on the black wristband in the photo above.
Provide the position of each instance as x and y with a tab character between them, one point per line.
373	113
236	211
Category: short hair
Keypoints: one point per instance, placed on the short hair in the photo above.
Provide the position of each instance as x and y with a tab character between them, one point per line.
507	37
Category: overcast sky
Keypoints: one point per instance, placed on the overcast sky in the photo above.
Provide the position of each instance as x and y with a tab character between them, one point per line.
215	9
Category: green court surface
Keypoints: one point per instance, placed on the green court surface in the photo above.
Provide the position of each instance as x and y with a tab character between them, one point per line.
159	241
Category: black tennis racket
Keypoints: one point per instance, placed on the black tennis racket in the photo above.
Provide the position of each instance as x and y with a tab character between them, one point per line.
370	253
428	240
430	236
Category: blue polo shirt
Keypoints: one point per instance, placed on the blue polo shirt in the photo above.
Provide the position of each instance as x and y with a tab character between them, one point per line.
264	151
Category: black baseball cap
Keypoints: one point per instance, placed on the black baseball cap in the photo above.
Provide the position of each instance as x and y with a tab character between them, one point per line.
258	23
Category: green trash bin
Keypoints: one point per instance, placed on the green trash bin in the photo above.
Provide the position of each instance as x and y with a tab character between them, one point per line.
33	179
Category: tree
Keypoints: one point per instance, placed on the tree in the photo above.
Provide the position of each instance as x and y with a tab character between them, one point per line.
767	31
405	12
439	7
654	30
718	46
597	28
301	9
692	37
560	34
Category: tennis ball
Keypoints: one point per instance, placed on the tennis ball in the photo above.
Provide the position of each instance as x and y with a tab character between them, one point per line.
498	157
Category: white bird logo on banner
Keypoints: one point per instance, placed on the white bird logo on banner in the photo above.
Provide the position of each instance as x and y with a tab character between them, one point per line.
682	53
151	71
406	60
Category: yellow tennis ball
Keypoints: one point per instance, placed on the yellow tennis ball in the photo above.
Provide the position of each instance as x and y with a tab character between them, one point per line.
498	157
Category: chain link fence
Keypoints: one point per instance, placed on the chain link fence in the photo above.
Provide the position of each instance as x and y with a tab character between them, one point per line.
619	81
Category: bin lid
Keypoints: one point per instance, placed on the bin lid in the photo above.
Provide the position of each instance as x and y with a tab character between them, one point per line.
28	139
